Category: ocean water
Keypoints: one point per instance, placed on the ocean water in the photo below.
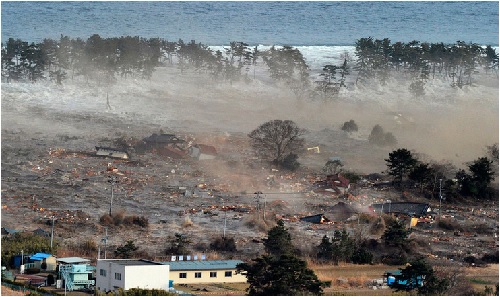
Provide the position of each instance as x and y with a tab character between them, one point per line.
321	30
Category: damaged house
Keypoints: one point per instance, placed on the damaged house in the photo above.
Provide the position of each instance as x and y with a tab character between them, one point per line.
316	219
167	145
411	209
202	152
334	183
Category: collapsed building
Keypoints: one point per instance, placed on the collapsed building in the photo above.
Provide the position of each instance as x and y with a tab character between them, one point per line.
169	145
334	183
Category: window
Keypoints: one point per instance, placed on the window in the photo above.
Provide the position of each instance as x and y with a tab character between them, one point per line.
197	275
118	276
213	274
102	272
182	275
228	274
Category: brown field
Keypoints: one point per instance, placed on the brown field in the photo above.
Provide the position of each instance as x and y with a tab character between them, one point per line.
6	291
483	276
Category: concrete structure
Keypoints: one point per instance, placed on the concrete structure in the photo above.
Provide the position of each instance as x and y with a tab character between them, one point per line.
113	274
76	272
203	272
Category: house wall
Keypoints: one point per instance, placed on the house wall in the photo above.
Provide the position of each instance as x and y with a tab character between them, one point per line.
106	283
147	277
133	276
205	277
50	261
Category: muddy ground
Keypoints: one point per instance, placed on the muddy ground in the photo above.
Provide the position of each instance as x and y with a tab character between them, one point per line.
49	134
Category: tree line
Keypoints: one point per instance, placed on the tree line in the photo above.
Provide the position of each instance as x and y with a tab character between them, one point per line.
421	61
280	142
102	60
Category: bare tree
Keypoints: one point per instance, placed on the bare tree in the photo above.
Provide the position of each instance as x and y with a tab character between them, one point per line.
277	140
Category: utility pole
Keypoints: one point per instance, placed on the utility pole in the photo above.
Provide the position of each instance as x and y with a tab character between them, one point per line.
225	219
257	198
105	239
440	197
264	211
52	234
112	180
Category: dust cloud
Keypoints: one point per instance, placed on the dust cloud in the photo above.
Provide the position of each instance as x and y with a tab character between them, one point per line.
446	124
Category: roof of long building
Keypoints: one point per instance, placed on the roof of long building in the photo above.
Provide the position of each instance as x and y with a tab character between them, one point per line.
203	265
73	260
131	262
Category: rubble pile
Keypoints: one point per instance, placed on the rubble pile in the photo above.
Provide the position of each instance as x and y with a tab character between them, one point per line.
62	178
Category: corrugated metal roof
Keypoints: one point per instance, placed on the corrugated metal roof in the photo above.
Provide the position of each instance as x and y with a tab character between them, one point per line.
203	265
73	260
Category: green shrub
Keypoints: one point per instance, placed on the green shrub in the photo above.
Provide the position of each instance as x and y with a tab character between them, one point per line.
362	256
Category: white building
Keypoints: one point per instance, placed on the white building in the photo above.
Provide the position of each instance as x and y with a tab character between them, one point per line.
112	274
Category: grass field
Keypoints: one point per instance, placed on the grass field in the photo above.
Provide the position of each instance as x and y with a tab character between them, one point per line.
350	280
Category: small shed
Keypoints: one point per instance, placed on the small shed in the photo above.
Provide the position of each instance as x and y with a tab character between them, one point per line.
47	261
395	277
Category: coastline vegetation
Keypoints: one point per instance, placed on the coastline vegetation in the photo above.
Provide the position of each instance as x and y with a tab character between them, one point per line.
100	61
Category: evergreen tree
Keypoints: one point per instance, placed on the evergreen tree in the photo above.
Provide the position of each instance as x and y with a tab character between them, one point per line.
178	245
278	241
420	276
422	174
482	175
325	250
362	256
285	275
340	248
127	250
400	163
396	234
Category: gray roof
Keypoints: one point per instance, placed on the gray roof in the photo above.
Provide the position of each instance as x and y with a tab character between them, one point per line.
408	208
203	265
131	262
163	138
73	260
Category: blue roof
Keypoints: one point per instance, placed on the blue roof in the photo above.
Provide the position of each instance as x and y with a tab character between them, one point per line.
40	256
9	231
203	265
